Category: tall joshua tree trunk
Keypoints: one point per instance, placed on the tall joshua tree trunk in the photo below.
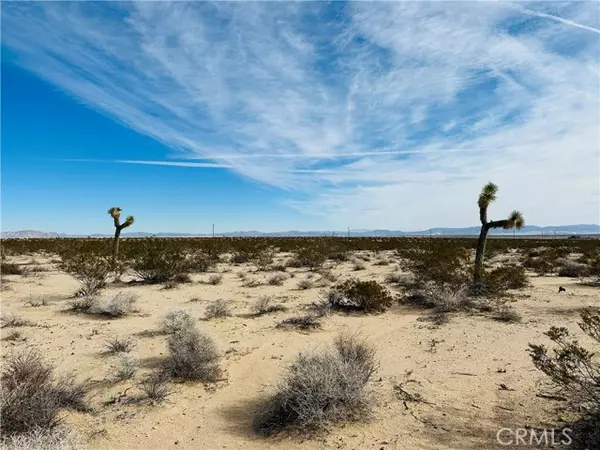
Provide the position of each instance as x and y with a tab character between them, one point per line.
515	220
115	213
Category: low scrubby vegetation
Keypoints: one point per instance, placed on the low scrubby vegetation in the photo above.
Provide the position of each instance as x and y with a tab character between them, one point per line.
91	270
32	397
265	305
307	322
120	305
218	308
177	320
320	387
192	356
575	372
365	296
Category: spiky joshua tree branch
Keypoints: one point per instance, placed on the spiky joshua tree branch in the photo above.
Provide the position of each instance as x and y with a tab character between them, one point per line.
115	213
515	220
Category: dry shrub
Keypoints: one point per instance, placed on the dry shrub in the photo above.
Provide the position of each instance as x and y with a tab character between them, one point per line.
508	315
218	308
57	438
574	270
265	305
159	262
503	278
251	282
441	298
327	386
215	279
120	305
177	320
12	269
15	321
539	265
90	269
155	387
193	356
201	261
278	279
263	259
125	368
365	296
575	372
305	284
32	398
308	322
119	345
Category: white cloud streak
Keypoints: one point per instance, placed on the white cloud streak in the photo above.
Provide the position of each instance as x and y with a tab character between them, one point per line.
376	114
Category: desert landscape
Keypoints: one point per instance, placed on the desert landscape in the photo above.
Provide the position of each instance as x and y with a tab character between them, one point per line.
450	366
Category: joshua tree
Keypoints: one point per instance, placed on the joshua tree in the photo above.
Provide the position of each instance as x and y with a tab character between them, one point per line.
515	220
115	213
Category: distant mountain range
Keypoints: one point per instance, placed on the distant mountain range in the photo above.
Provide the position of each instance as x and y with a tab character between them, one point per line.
530	230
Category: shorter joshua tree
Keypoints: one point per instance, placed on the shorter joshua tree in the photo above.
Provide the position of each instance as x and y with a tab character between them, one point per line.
115	213
515	220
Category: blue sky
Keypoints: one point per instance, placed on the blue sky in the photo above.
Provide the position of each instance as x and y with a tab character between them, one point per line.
311	115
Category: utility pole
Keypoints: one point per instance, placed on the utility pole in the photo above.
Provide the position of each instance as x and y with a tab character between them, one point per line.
213	230
348	231
430	233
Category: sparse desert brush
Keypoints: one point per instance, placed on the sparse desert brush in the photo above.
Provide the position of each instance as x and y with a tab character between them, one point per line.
218	308
539	265
58	438
507	314
574	270
400	279
32	397
442	263
177	320
15	320
313	255
575	372
357	264
124	368
251	282
366	296
12	269
159	261
277	279
119	305
382	261
442	298
266	304
328	275
14	335
201	261
278	267
90	269
321	387
156	387
501	279
215	279
117	345
193	356
305	283
306	322
263	259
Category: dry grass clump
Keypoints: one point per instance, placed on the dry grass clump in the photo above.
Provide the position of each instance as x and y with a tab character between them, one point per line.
508	315
265	305
215	279
14	321
57	438
441	298
277	279
218	308
32	397
251	282
119	345
193	356
125	368
155	387
308	322
305	284
120	305
320	387
176	320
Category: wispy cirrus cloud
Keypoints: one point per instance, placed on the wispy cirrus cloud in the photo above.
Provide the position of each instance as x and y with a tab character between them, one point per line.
376	114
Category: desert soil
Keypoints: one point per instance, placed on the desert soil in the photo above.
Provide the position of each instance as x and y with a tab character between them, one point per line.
473	373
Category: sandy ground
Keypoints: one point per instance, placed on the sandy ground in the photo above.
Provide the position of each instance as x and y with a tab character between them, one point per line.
458	368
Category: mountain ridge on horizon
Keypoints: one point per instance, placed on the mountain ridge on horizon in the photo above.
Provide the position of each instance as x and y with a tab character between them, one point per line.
439	231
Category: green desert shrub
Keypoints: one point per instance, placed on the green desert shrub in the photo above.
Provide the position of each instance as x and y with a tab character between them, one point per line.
366	296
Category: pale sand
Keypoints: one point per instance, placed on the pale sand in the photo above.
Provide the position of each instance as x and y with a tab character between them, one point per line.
459	377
